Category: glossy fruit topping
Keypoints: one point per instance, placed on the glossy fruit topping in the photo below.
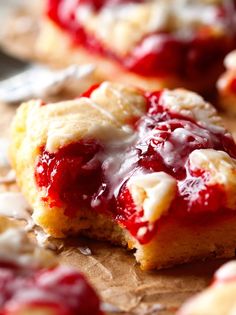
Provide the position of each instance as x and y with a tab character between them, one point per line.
158	54
60	291
99	4
232	86
80	175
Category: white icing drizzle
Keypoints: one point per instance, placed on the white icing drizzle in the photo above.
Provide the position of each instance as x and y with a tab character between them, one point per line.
117	163
45	240
41	237
85	250
221	168
153	193
103	116
220	165
13	205
172	149
192	105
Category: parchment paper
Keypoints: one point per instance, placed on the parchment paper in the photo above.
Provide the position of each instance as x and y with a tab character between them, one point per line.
112	270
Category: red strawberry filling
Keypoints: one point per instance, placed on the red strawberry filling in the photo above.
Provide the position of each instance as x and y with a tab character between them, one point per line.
232	86
62	290
99	4
80	175
158	54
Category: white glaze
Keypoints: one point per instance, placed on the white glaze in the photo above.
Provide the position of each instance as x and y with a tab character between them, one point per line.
221	169
218	163
153	193
192	105
102	116
85	250
172	149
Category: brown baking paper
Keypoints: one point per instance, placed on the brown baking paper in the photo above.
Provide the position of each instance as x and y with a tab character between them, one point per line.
113	270
122	283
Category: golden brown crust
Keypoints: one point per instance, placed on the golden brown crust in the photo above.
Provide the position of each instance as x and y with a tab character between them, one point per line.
177	243
51	36
129	23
